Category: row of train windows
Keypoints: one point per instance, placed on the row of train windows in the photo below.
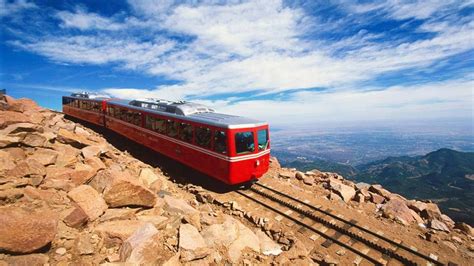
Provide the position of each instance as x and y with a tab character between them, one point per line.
85	105
174	129
185	131
132	117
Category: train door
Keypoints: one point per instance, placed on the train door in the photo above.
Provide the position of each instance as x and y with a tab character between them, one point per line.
220	145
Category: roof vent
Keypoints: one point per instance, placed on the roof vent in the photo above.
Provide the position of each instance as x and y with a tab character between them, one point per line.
178	107
89	95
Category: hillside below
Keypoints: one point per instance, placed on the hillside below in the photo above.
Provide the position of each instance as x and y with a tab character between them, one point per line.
444	176
73	195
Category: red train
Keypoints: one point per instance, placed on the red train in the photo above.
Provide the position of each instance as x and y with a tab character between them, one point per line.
230	148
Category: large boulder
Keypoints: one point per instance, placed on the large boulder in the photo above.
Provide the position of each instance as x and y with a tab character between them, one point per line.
438	225
9	117
45	156
26	230
221	234
34	140
9	141
267	245
91	151
76	218
417	206
245	239
346	192
191	243
22	105
6	162
397	209
75	140
128	192
235	237
89	201
27	168
378	189
17	153
82	173
68	155
285	174
431	212
180	206
299	175
147	177
103	179
465	228
376	198
141	248
65	178
84	244
115	232
58	178
21	128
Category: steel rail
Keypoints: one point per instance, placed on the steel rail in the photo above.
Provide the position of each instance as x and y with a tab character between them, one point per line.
354	225
374	261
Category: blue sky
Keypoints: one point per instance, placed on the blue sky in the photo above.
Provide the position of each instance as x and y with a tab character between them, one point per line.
287	62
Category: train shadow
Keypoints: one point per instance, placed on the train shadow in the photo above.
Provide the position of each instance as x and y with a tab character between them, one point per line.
177	172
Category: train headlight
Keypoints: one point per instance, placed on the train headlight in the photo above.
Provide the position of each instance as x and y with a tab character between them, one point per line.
257	162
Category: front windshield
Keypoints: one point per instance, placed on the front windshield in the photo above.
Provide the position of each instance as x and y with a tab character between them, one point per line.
244	142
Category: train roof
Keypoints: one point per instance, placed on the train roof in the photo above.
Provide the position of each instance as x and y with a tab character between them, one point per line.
193	112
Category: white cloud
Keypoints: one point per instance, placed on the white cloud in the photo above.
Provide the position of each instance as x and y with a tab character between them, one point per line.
406	9
151	8
83	20
453	99
264	45
10	8
244	47
100	50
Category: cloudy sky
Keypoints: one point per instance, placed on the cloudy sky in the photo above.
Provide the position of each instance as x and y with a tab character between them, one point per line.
288	62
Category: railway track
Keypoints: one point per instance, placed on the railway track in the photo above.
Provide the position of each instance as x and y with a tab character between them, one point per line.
385	248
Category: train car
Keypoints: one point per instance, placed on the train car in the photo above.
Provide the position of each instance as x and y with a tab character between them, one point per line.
232	149
86	106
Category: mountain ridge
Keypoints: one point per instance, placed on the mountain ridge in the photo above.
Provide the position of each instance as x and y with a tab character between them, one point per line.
443	176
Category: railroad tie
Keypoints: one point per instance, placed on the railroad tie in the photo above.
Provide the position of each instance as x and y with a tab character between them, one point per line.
337	234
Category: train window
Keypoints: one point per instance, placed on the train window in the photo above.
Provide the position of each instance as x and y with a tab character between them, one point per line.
67	101
133	117
244	142
220	142
159	125
95	107
203	136
149	122
262	136
155	124
110	110
172	128
186	132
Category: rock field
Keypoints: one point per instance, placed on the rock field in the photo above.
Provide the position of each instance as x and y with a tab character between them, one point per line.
67	196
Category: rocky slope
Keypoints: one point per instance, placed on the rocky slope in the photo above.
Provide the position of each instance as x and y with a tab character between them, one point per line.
68	196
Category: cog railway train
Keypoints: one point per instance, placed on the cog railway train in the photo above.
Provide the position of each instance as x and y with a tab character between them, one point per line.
232	149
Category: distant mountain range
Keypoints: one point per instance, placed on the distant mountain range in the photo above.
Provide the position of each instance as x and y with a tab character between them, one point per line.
444	176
